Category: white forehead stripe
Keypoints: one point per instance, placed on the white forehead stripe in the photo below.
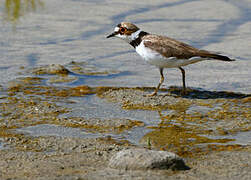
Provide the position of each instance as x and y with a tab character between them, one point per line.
116	29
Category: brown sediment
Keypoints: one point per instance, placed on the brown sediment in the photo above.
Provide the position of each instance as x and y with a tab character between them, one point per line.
114	125
51	69
190	126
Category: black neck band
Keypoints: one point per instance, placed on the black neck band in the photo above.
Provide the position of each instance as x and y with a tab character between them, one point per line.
138	40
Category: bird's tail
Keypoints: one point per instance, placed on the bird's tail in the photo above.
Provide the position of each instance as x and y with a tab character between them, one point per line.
212	55
219	57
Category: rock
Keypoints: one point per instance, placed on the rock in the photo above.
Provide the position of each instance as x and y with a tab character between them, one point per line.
50	69
141	159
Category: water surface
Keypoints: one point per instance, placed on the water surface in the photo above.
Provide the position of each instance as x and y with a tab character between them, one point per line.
36	32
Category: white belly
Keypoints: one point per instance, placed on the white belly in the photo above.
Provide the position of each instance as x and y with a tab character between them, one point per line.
156	59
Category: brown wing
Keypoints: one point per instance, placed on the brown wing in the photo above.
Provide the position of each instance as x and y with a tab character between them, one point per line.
169	47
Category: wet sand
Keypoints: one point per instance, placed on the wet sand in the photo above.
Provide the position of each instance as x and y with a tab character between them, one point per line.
37	138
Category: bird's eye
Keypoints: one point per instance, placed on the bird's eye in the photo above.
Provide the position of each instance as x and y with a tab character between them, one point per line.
122	29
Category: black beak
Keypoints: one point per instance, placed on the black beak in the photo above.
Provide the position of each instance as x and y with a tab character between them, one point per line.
111	35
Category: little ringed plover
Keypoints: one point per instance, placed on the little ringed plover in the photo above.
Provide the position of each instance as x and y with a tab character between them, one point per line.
161	51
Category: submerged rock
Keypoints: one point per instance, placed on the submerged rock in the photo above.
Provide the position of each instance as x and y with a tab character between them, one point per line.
50	69
135	159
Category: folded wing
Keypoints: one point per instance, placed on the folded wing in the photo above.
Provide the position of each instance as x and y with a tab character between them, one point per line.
169	47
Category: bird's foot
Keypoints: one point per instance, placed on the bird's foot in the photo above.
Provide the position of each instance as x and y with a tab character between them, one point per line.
184	92
152	94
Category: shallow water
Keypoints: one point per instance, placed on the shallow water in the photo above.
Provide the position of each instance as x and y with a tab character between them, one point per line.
63	31
59	32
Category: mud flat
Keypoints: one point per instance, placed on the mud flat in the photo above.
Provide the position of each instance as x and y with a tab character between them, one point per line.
40	140
73	158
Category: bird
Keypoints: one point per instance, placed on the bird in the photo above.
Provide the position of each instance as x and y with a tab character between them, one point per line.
162	51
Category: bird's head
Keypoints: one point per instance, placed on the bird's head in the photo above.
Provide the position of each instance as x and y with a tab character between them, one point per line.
126	31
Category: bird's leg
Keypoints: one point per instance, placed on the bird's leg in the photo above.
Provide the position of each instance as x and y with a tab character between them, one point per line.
183	80
160	82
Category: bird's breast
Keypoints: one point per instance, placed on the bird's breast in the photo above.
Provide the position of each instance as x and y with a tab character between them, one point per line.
147	53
